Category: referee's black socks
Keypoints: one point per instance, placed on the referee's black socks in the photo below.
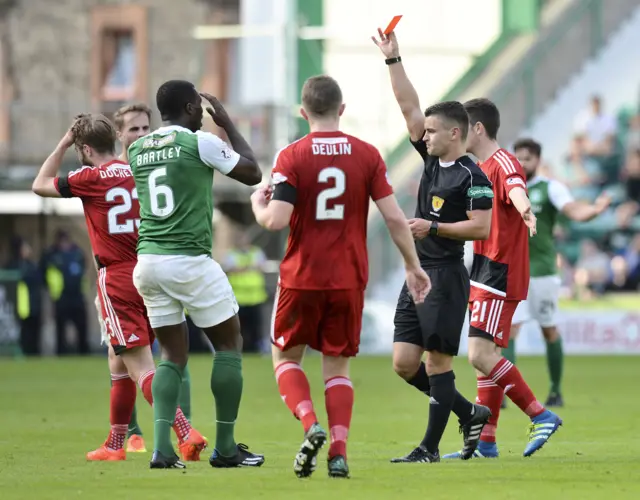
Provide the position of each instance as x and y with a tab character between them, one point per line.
443	394
421	380
463	408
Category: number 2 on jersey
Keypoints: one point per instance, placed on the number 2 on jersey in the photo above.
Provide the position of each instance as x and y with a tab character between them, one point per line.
322	211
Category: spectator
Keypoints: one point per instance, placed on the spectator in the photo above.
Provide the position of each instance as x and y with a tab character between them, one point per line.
65	268
592	269
631	175
28	300
625	267
633	135
581	173
244	266
598	132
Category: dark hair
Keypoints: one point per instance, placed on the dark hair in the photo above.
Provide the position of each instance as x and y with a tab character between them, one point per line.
535	148
452	111
139	107
321	95
173	96
95	131
486	112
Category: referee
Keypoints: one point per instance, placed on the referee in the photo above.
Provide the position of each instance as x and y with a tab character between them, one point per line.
454	205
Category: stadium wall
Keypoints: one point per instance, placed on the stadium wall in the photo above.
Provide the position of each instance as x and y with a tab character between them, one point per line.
590	332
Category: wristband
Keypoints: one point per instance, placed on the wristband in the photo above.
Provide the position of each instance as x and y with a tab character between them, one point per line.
393	60
433	230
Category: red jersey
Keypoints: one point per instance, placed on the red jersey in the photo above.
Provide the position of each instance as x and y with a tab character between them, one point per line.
111	209
501	263
334	176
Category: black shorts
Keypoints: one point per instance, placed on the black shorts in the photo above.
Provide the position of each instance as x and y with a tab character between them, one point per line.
436	324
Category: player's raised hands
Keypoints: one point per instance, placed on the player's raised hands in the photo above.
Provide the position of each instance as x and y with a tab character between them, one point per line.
216	110
418	284
388	44
69	138
530	221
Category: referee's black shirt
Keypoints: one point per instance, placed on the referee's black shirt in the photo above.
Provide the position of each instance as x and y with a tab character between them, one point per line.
447	192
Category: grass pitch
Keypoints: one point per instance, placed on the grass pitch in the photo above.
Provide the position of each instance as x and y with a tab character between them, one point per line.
52	411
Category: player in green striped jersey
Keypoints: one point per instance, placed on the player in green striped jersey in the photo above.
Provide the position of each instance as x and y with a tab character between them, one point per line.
549	198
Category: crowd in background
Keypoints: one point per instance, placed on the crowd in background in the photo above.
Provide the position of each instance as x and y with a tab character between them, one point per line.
603	156
60	275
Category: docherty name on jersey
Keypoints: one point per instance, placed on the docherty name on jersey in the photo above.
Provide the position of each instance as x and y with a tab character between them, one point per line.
160	155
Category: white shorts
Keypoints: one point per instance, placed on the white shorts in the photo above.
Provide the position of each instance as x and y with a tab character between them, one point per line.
542	302
169	284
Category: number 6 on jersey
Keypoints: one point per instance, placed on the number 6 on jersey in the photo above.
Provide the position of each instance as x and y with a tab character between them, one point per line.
322	211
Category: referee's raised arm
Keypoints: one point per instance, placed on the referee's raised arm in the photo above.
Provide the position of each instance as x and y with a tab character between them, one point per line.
403	89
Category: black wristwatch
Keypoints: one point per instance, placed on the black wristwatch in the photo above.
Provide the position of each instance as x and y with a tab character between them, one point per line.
433	230
393	60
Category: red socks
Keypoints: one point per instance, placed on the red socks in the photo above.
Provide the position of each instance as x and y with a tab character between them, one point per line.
296	393
122	399
181	425
490	395
338	395
508	377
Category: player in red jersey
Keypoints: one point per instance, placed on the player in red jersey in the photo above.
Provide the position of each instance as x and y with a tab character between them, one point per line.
499	281
107	190
321	188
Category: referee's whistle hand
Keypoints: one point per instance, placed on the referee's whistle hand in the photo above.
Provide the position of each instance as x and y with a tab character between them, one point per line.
419	228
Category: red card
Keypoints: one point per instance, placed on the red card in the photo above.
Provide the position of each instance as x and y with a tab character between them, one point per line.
392	25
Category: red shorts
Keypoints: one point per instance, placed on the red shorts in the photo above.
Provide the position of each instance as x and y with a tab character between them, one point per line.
328	321
490	317
123	310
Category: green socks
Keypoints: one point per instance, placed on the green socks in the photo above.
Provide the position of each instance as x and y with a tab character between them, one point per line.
510	352
134	427
166	392
185	393
226	386
555	358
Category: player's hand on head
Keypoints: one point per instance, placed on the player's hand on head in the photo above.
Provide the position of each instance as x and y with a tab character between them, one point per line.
418	284
69	137
216	110
388	44
419	228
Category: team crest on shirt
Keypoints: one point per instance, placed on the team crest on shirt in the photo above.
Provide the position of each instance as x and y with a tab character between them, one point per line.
436	203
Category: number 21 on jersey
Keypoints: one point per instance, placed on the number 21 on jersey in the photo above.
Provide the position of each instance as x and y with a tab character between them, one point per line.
323	212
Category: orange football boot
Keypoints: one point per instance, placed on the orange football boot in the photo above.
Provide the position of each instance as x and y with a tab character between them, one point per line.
191	447
105	454
135	444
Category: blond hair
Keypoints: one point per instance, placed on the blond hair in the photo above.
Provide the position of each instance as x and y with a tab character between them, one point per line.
138	107
96	131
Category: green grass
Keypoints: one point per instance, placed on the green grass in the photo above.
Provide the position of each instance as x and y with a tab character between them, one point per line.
53	411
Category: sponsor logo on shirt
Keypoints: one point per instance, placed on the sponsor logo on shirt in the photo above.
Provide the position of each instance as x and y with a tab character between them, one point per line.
511	181
278	178
158	142
479	192
226	153
436	203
